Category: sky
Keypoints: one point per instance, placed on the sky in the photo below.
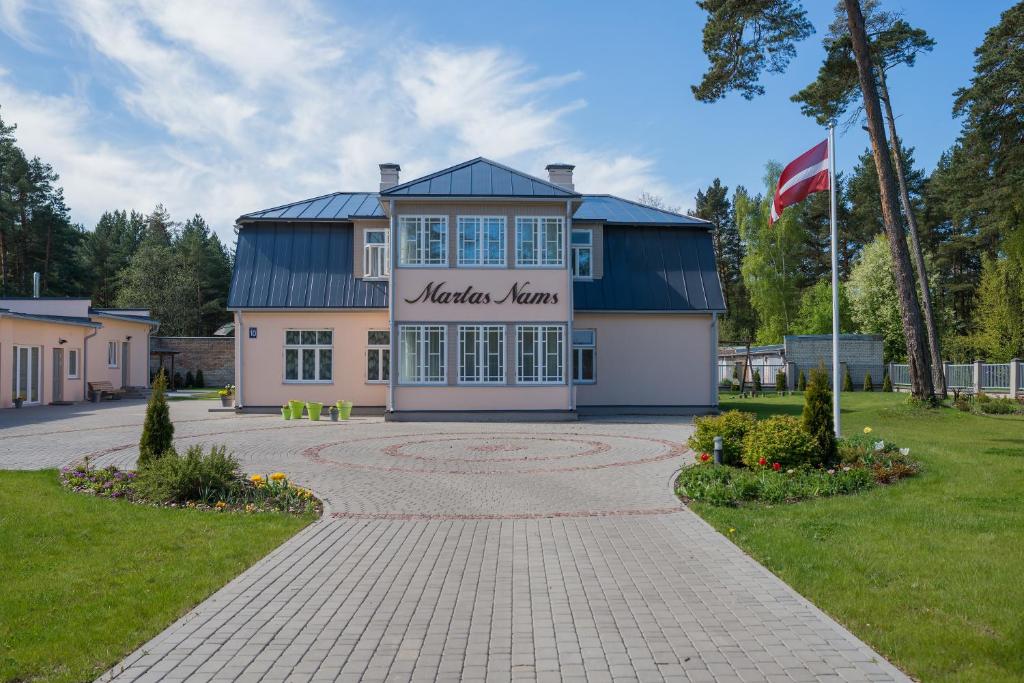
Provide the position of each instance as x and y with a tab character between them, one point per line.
230	106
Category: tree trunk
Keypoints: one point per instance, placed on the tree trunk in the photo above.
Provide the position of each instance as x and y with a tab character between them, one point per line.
934	350
910	311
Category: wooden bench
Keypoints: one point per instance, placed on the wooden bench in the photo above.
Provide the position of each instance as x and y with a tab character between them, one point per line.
105	390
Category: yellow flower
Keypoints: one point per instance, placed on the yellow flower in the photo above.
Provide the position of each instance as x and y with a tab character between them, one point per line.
731	530
867	430
250	508
220	505
256	479
277	476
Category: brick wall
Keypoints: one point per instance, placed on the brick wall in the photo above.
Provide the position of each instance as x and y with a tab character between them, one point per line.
215	356
862	353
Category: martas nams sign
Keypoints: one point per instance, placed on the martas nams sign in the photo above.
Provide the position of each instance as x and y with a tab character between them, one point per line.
519	293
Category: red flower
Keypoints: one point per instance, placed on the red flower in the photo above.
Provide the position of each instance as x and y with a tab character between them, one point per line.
762	461
776	466
704	457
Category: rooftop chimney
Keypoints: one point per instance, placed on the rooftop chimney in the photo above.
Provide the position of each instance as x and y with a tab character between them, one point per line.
389	176
561	175
35	285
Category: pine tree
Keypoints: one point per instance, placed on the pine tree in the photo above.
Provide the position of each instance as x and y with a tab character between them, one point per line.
847	380
801	383
868	384
817	414
157	429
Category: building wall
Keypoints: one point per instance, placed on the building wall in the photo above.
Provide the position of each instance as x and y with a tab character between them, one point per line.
138	353
14	331
215	356
260	381
649	360
861	353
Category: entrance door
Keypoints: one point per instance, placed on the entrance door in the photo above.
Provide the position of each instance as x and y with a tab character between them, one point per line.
125	362
25	381
58	375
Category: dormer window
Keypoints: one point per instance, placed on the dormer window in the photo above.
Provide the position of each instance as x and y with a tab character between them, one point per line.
582	254
376	261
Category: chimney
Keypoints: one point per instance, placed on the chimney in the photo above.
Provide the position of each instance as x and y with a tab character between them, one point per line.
561	175
389	176
35	285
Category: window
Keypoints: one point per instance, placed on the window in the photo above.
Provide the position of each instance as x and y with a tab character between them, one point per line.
111	354
375	254
539	241
424	240
482	354
481	241
583	356
72	363
423	354
378	356
539	351
582	254
308	356
27	376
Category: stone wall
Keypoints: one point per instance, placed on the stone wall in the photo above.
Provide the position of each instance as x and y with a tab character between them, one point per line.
861	353
215	356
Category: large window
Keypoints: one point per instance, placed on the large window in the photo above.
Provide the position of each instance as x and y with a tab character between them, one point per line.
539	241
583	348
378	356
72	363
482	354
481	241
111	354
422	353
375	254
308	356
540	354
582	254
424	240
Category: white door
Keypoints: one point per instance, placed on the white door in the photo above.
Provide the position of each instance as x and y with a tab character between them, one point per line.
27	372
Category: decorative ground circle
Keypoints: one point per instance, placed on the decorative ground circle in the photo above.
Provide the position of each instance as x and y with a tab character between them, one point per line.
399	450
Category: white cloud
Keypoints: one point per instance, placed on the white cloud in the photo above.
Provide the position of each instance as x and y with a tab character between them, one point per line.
254	103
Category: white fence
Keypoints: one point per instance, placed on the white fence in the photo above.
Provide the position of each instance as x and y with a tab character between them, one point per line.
996	378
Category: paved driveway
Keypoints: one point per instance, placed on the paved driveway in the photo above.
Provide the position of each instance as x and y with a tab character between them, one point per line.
474	552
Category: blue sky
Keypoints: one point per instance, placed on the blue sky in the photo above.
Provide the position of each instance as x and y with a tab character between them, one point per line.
231	106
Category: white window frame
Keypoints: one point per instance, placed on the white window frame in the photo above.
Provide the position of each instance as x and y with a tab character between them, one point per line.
578	347
35	368
78	364
540	352
112	354
479	224
421	227
533	225
577	248
379	349
422	343
376	252
317	348
481	354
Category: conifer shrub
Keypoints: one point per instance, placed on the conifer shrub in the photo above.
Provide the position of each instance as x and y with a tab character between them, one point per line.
190	381
757	381
847	380
801	382
886	383
732	426
780	381
157	429
868	384
200	381
817	415
178	381
781	440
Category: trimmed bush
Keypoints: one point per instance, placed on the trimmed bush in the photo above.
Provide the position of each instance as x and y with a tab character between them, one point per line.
731	425
757	381
886	383
200	381
194	476
817	415
157	429
847	380
780	382
801	382
868	384
780	439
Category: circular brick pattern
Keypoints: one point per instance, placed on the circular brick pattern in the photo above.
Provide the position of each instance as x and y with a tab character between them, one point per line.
496	443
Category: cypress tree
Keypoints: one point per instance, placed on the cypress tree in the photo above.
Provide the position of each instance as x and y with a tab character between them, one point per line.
801	382
757	381
847	380
200	381
887	383
780	382
817	415
157	430
868	384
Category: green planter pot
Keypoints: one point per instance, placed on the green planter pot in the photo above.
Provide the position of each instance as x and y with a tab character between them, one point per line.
286	412
344	409
296	408
314	409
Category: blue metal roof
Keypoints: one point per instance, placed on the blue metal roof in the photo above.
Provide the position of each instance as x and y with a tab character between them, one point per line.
299	265
338	206
478	178
611	209
653	268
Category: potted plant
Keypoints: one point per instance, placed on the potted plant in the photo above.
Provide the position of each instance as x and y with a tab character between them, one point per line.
344	409
333	413
296	408
286	412
227	395
18	400
314	409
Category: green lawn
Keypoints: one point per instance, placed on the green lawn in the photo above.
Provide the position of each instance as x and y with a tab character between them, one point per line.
929	571
86	580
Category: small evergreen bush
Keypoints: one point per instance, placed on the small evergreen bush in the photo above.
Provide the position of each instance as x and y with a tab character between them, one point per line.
194	476
801	382
817	415
868	384
847	380
731	425
780	381
178	381
157	429
780	439
757	381
190	381
886	383
200	381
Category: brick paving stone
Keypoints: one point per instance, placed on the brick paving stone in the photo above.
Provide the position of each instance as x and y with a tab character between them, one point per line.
468	551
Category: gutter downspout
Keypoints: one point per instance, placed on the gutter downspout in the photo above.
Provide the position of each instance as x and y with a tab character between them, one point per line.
392	363
570	382
85	363
239	342
714	360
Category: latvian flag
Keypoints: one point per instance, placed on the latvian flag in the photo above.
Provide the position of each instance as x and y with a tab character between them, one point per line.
806	174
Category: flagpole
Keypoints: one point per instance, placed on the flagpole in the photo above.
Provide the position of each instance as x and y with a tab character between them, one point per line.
835	277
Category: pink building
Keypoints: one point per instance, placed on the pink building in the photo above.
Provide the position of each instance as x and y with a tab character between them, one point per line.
477	291
51	348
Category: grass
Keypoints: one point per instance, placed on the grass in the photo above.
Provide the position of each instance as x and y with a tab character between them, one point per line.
929	571
196	395
88	580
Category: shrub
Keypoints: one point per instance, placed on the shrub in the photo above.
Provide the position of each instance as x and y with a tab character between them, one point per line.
190	381
847	380
817	415
157	429
178	381
887	383
801	382
731	425
780	382
999	406
194	476
780	439
868	384
200	381
757	381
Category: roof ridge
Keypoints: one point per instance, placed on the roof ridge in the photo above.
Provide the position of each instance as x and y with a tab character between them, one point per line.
464	164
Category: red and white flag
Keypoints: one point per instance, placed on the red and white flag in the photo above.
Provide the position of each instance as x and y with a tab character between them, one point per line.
804	175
